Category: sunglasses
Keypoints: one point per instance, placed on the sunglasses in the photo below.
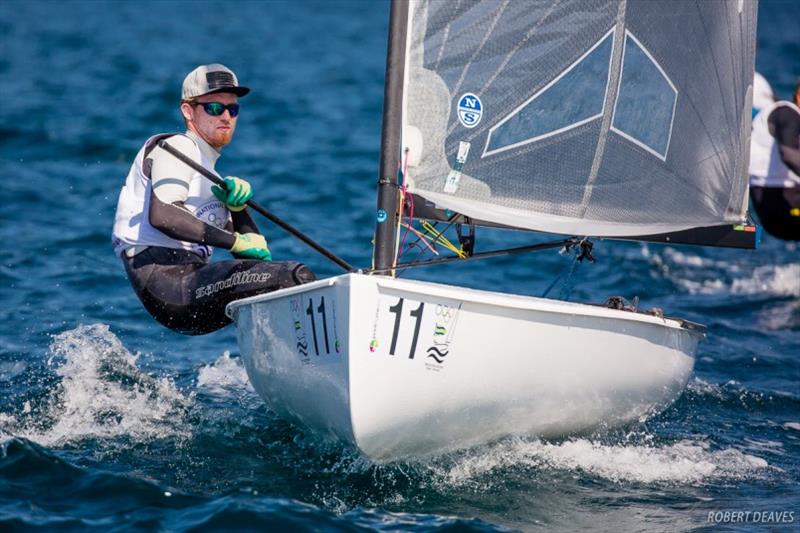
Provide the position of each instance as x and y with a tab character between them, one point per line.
216	109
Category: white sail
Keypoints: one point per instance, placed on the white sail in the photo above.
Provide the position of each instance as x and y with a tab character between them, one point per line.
584	117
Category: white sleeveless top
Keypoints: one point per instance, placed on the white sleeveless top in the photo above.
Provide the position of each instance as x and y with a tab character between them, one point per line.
132	226
767	169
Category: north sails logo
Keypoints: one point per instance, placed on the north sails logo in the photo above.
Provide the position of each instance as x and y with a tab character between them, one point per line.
470	110
240	278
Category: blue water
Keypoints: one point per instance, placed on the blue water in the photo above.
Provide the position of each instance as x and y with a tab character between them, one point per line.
193	447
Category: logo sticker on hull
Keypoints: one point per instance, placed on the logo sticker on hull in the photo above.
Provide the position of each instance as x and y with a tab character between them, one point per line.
301	343
443	330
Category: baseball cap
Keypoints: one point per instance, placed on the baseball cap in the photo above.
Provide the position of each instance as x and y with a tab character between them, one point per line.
209	79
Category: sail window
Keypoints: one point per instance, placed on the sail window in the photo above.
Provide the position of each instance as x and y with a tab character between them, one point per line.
574	97
645	106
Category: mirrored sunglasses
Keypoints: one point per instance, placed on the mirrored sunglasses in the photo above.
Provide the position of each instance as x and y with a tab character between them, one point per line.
216	109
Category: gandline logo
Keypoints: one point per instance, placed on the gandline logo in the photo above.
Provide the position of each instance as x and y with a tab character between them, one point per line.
240	278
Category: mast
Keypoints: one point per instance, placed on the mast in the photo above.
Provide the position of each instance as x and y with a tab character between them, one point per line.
391	130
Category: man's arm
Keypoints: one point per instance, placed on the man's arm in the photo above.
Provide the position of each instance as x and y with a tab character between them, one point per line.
175	221
784	126
170	178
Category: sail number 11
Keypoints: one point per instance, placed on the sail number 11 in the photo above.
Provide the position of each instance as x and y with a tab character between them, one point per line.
321	311
397	309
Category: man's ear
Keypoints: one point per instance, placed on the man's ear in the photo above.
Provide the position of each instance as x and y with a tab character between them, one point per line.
186	111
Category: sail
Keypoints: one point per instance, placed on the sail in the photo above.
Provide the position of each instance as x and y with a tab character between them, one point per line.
582	117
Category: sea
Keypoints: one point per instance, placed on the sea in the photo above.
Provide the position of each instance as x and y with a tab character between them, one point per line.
183	443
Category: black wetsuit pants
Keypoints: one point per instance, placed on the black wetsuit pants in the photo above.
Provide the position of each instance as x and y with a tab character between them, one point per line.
778	210
188	294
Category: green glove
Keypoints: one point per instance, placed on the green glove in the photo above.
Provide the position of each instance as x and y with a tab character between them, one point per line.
237	193
251	246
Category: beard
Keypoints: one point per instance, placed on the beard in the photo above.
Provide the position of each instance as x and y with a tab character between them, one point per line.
223	138
218	139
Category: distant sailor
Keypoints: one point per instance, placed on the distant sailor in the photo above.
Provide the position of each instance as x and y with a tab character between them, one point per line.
169	218
775	167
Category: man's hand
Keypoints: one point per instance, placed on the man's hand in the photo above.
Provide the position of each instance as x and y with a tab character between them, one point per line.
251	246
237	193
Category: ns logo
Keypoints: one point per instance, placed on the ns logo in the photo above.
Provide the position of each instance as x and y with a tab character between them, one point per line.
470	110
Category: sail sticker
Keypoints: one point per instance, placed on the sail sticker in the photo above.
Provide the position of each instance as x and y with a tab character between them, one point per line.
451	183
381	216
470	110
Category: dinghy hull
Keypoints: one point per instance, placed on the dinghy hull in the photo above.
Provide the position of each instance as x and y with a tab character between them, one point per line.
405	368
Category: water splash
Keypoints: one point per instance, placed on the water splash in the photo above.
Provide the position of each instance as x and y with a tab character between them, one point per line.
223	376
683	462
101	394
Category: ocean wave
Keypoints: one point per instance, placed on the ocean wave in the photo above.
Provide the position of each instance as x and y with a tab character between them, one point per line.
733	393
677	257
702	275
100	394
86	495
772	280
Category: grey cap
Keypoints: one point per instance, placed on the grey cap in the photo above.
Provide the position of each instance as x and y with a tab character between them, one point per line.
209	79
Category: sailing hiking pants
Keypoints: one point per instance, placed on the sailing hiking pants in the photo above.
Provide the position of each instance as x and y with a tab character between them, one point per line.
188	294
778	210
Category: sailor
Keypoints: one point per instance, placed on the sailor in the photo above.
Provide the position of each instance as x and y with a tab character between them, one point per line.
170	218
775	167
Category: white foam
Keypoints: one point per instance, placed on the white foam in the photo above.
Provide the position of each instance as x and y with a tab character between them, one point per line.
779	280
6	423
774	280
792	425
701	386
680	463
703	287
90	402
224	375
702	275
680	258
779	315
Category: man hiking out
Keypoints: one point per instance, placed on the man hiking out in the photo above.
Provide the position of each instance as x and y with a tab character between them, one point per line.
775	167
170	218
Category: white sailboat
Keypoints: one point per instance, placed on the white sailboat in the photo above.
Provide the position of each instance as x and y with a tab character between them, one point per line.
604	118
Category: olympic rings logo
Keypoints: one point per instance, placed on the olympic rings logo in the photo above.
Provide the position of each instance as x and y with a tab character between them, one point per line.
444	312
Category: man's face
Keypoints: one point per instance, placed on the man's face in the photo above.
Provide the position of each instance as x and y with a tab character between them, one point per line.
216	131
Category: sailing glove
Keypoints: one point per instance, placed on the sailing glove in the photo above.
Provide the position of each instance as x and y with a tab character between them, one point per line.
236	193
251	246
